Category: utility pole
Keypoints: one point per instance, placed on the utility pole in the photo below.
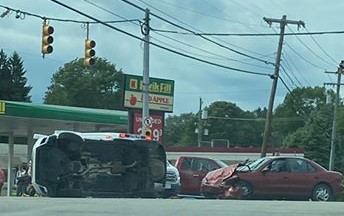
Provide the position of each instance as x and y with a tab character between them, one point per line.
199	124
145	85
335	109
283	22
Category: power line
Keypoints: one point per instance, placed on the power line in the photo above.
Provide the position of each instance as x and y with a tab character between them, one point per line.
186	51
231	19
21	14
205	38
308	48
291	70
298	54
212	53
192	27
288	59
287	74
186	44
108	11
316	42
285	119
303	58
250	34
157	45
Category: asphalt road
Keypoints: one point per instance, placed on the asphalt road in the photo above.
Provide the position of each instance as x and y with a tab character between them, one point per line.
41	206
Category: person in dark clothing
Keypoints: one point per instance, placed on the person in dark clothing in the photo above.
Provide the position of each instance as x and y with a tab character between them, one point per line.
23	180
30	190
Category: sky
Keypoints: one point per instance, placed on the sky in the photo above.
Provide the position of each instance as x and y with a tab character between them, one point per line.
304	58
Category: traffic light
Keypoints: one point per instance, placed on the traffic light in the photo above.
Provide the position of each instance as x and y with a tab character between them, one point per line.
148	133
47	39
89	52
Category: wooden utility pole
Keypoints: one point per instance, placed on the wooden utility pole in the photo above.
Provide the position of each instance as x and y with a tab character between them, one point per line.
283	22
335	110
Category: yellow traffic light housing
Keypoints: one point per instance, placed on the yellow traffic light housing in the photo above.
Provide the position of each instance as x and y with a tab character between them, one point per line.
47	38
89	52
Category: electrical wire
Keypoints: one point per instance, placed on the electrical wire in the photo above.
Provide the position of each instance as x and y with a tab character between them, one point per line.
292	96
157	45
288	59
309	49
303	58
222	41
186	51
285	119
221	57
203	37
250	34
298	54
200	13
186	44
192	32
62	20
284	61
111	12
287	74
316	42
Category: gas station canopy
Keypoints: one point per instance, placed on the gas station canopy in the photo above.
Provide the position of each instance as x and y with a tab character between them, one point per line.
22	119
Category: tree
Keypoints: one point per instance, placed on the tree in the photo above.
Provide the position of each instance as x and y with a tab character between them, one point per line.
180	130
94	87
339	147
314	137
13	83
227	121
296	108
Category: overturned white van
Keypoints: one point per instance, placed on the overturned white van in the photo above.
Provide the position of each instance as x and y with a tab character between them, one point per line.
73	164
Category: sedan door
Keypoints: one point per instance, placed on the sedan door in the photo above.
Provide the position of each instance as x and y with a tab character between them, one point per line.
191	176
272	180
303	177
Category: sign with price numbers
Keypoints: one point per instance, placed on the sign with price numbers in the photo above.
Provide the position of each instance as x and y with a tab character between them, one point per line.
156	122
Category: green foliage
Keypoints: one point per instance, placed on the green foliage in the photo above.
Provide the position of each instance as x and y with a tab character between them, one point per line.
180	130
94	87
295	110
314	137
12	79
339	147
225	121
228	121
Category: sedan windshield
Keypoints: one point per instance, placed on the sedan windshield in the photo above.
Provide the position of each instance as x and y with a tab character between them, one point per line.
253	165
257	163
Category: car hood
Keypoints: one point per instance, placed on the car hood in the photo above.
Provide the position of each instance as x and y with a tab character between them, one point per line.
218	176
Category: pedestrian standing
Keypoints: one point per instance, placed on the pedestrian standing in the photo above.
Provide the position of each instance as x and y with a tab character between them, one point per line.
23	179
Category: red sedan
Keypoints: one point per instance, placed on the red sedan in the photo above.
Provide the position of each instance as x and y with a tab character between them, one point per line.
275	177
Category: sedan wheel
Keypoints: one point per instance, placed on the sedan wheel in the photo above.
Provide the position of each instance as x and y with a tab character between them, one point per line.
322	192
246	187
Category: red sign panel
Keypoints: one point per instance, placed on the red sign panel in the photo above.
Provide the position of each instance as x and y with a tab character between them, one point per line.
157	125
